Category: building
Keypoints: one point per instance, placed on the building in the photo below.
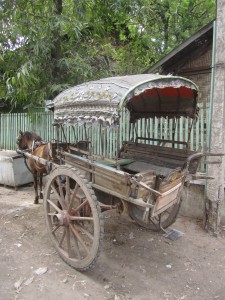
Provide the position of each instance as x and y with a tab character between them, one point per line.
193	60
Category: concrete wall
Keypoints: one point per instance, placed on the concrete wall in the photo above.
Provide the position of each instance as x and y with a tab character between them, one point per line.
193	202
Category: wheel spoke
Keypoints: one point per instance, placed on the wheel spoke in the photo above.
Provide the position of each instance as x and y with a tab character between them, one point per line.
62	238
58	196
79	238
80	206
61	194
55	206
67	196
75	218
57	227
73	197
76	246
85	232
68	242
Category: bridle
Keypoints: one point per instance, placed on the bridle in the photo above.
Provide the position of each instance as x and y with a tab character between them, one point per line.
35	144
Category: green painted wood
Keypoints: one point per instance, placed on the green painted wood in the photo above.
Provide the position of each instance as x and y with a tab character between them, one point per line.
41	123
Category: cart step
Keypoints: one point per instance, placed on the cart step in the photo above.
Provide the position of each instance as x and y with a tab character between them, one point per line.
173	234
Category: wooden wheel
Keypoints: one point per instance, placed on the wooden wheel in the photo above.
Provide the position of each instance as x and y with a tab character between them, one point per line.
73	217
165	219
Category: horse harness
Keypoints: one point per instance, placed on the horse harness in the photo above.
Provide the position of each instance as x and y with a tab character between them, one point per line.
35	145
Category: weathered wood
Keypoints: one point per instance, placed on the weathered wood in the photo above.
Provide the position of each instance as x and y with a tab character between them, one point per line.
140	166
159	149
159	156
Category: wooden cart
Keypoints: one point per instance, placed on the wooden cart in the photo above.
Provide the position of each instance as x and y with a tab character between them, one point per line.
144	177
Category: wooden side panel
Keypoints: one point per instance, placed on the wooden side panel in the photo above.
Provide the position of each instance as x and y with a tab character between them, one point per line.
111	180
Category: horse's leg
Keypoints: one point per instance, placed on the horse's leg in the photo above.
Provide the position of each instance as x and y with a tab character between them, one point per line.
41	185
35	177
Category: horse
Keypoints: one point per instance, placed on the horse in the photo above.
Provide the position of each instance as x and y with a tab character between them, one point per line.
33	143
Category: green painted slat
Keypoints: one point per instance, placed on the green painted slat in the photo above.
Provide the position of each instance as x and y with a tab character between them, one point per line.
192	138
181	131
154	129
10	124
186	129
197	138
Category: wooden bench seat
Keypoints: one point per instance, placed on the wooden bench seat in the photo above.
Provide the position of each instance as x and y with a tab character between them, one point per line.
160	159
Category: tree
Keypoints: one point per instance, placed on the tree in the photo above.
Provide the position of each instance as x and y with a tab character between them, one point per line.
38	49
46	46
169	23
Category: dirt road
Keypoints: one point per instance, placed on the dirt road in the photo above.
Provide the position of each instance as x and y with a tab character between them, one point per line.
134	264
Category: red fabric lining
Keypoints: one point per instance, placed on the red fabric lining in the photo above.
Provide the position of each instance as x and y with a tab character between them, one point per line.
170	92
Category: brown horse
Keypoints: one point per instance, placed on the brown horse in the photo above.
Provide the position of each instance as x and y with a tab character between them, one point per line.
33	143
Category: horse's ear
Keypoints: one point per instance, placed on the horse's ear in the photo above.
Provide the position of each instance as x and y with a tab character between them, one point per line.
21	132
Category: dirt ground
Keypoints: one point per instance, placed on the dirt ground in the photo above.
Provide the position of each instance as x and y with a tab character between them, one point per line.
134	264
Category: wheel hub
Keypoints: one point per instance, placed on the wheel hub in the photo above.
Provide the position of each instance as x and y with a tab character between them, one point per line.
61	219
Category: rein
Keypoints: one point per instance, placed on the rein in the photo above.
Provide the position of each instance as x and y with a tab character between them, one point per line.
25	160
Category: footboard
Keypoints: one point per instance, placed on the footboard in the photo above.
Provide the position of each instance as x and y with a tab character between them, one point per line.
168	198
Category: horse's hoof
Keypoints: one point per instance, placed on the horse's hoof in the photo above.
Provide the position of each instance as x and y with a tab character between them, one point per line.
36	201
41	196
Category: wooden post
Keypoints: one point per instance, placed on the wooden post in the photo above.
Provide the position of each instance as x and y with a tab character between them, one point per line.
215	187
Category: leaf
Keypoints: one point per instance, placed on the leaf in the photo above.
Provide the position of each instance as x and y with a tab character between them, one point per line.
44	50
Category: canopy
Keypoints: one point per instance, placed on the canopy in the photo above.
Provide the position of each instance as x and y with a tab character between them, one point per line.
144	95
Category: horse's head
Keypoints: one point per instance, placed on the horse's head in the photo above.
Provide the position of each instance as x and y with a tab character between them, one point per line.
21	141
26	139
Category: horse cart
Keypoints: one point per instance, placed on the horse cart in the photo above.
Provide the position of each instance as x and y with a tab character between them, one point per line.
142	175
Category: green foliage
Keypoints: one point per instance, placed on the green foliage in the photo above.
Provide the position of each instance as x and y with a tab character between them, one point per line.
46	47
